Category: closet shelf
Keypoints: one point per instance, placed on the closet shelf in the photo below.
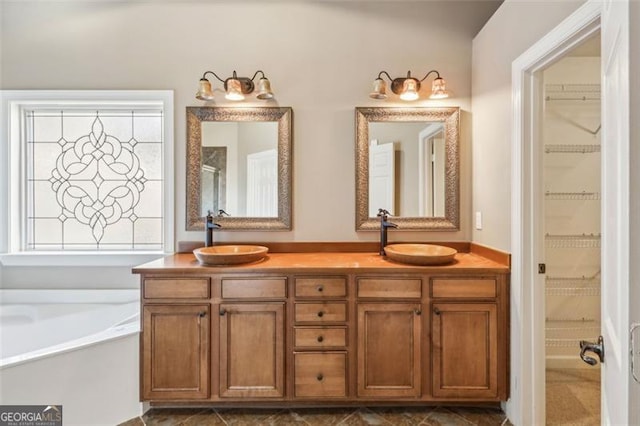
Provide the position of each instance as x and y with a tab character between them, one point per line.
572	92
572	195
572	291
573	286
572	241
571	149
567	343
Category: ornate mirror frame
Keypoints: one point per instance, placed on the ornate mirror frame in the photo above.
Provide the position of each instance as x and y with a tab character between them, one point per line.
281	115
450	116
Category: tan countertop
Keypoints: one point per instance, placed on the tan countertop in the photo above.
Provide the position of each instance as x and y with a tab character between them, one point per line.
186	263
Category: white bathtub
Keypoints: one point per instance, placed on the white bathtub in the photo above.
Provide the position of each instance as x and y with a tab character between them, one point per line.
78	348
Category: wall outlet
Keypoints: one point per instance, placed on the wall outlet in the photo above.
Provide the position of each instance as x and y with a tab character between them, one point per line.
478	220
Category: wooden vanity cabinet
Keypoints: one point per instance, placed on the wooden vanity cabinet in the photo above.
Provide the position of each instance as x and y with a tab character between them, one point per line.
389	337
252	337
252	350
325	335
175	339
320	323
468	338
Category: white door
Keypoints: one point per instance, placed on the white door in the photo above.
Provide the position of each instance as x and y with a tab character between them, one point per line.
262	184
615	213
381	178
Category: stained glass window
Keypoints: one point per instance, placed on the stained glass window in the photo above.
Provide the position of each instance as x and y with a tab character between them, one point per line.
94	178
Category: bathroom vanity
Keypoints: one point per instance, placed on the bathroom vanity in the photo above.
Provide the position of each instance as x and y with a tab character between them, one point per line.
334	326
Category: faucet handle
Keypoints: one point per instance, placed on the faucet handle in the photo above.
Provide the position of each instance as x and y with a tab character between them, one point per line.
222	213
383	213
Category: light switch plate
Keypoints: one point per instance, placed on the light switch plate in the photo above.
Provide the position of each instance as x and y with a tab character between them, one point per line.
478	220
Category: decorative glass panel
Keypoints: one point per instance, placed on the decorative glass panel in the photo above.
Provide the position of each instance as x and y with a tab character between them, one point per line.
94	179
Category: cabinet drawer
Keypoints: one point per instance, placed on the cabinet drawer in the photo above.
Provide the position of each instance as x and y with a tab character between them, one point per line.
246	288
390	288
321	287
320	374
321	312
320	337
176	288
463	288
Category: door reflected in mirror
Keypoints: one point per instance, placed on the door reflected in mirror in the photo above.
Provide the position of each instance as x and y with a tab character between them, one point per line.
239	163
239	172
407	163
407	169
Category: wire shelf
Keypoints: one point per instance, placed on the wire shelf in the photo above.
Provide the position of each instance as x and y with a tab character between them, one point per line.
572	92
571	149
583	281
572	195
573	241
566	343
573	291
572	88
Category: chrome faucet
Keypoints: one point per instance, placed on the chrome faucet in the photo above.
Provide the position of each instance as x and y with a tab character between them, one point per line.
384	225
209	226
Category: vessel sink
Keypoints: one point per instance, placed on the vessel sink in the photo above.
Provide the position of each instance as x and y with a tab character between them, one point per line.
420	254
230	254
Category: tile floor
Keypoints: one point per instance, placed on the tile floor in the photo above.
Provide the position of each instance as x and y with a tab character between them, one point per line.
450	416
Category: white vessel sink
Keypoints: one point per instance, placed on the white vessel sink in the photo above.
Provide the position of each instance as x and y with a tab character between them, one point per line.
420	254
230	254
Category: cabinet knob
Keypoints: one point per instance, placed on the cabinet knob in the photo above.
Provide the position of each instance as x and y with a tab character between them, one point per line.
436	311
320	339
320	314
202	314
223	312
417	311
320	377
320	288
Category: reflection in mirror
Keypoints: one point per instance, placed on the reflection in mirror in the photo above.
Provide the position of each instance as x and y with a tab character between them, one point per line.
407	163
240	168
239	163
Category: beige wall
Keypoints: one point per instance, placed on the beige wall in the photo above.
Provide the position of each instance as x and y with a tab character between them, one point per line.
321	58
515	26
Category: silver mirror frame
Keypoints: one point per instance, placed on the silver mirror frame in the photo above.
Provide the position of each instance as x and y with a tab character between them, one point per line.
195	117
450	116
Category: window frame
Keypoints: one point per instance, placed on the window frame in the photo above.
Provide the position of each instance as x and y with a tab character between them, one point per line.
12	226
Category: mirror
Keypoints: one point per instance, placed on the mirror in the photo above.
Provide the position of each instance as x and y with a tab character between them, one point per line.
407	163
239	162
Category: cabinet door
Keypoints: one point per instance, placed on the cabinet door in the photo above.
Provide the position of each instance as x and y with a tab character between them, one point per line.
175	352
465	350
252	350
389	349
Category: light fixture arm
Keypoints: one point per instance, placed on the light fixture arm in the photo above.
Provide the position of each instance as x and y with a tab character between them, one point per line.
204	76
256	74
432	71
385	73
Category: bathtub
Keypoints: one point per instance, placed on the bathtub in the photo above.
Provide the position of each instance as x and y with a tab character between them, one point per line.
77	348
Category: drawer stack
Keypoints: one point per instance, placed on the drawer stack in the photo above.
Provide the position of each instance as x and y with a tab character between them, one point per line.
320	337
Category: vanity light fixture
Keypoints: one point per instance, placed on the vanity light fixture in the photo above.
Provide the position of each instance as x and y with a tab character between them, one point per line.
236	87
408	87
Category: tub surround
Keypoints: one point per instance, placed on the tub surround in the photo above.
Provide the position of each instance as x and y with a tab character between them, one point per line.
340	326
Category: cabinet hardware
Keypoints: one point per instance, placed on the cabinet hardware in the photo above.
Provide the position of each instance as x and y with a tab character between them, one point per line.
320	288
418	311
320	314
436	311
223	312
320	339
202	314
320	377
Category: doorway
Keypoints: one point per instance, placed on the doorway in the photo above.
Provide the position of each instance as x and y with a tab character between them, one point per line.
619	231
571	179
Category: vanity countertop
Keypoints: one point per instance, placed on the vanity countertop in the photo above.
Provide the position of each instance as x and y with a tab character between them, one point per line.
186	263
